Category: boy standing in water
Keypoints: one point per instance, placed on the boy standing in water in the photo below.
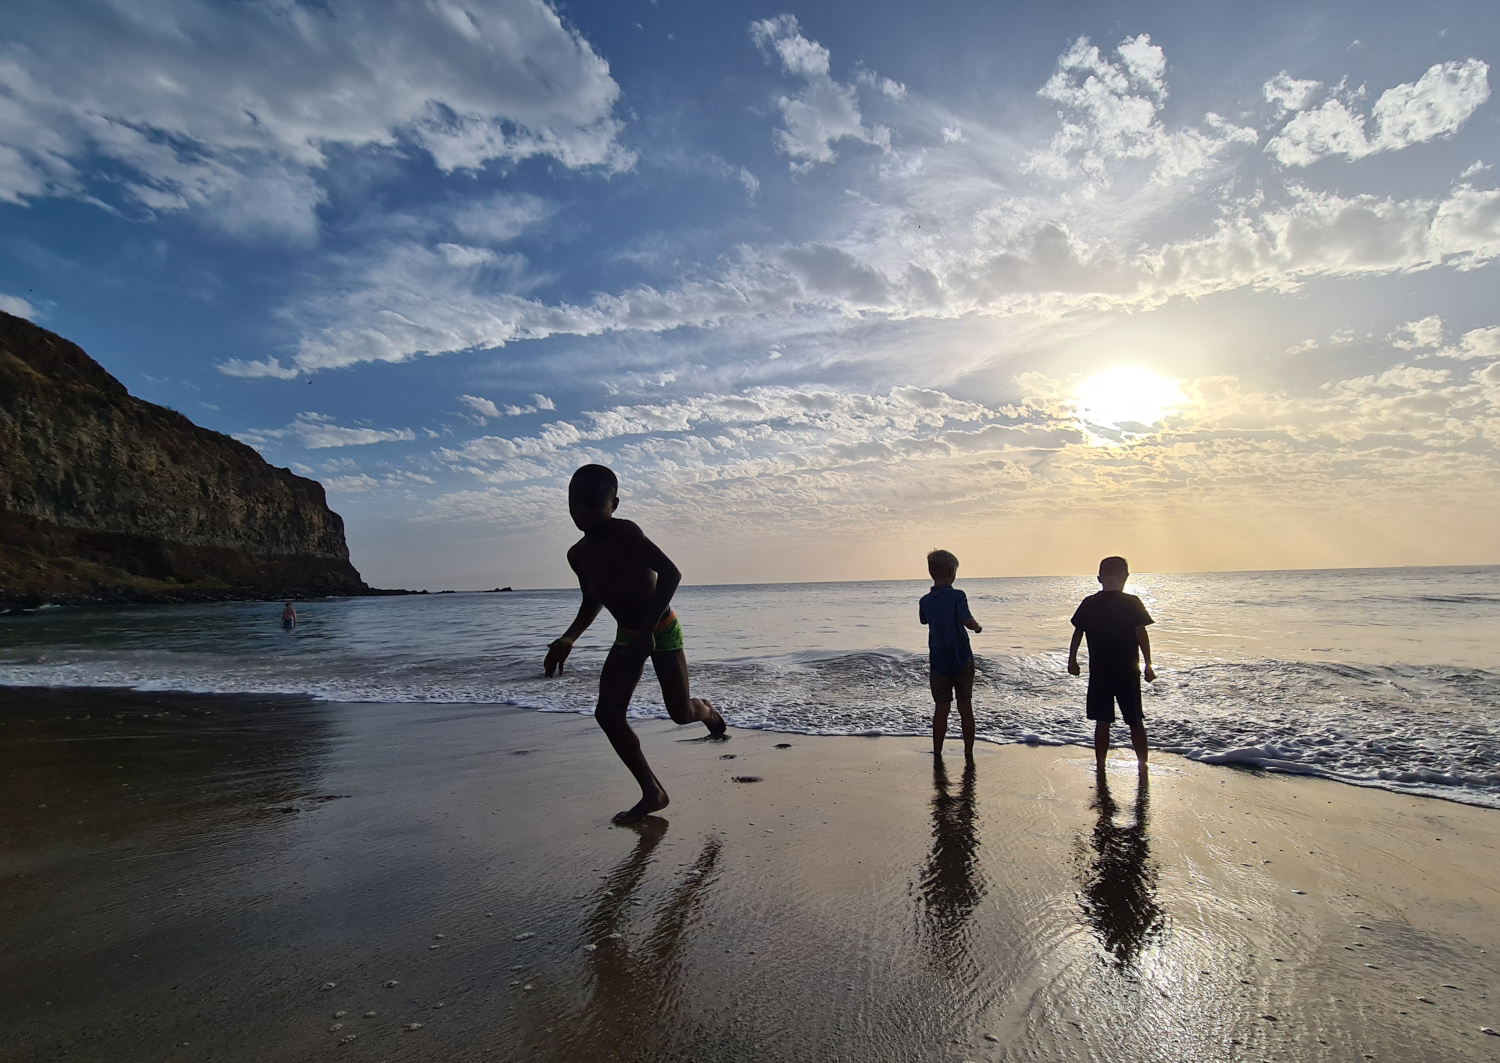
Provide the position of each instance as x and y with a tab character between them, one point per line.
945	611
1115	624
621	570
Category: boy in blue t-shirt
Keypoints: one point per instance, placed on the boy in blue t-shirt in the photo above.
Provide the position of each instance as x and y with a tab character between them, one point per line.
945	611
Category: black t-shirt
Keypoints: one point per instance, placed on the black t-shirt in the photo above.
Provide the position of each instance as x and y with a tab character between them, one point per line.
1108	620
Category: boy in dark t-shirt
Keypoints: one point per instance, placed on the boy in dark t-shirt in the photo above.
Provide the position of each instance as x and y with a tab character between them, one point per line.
945	611
1115	625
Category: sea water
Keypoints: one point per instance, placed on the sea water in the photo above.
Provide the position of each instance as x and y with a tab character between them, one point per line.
1378	677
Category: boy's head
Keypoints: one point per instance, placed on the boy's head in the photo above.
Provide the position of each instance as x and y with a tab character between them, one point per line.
593	496
942	566
1113	572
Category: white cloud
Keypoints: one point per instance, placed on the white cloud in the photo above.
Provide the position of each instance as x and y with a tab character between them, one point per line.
1289	93
823	110
1474	169
232	109
266	367
1110	112
1474	344
317	431
501	217
12	304
892	88
487	409
952	134
1424	332
751	183
1434	105
483	407
764	462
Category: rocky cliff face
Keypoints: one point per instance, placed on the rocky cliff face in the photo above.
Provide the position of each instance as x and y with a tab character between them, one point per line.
106	497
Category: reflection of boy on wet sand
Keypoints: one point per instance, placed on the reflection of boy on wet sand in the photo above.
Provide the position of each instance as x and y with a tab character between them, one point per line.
1119	878
621	570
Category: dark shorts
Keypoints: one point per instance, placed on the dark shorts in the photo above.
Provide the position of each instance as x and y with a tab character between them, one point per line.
1105	690
948	685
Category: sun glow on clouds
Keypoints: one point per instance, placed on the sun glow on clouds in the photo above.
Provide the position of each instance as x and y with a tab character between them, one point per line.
1127	395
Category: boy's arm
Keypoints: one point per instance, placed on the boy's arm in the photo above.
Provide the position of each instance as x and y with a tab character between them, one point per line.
668	576
1144	640
968	617
559	648
1073	668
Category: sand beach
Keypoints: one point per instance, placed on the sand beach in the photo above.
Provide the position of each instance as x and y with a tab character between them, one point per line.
229	878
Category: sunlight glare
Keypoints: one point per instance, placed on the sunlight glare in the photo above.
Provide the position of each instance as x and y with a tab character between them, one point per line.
1127	394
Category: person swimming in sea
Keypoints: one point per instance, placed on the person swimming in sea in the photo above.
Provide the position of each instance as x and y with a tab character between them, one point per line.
289	617
621	570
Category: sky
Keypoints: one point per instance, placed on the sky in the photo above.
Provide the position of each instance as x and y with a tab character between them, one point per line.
1211	286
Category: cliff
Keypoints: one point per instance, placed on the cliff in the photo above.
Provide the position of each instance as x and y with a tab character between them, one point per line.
104	497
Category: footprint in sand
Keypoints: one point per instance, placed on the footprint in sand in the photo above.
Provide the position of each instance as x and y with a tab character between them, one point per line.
747	778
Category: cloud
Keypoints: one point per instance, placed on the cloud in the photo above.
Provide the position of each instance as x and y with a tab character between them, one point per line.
486	409
823	110
483	407
317	431
232	110
500	218
1110	112
1289	93
1435	105
1424	332
12	304
1475	344
751	183
768	461
267	367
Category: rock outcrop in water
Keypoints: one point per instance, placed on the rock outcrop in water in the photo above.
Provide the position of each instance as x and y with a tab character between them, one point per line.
104	497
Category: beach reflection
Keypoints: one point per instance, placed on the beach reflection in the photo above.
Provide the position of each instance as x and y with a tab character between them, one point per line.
1118	877
951	884
637	988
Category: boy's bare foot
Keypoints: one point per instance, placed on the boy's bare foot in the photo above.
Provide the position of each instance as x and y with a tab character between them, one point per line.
712	720
643	808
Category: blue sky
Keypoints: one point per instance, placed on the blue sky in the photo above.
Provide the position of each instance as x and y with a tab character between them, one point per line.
828	286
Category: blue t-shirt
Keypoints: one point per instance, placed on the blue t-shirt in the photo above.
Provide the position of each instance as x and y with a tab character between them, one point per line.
944	610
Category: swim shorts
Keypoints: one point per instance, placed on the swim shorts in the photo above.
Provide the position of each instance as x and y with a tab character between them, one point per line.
1105	689
948	685
666	637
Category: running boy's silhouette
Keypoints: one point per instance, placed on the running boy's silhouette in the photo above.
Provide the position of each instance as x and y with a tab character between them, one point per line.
621	570
1115	625
945	611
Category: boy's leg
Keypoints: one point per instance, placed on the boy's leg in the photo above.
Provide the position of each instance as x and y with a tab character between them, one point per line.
963	689
1138	739
617	682
939	726
1101	742
672	674
966	720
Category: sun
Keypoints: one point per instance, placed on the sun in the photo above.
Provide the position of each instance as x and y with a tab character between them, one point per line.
1127	395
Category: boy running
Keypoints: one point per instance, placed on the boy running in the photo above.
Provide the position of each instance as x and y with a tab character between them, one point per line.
621	570
1115	624
945	611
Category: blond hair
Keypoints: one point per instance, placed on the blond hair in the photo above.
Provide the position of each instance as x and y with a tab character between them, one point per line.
942	559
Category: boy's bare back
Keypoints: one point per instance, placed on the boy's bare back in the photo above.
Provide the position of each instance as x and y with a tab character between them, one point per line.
617	566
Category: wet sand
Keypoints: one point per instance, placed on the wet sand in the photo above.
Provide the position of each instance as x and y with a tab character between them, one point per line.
213	878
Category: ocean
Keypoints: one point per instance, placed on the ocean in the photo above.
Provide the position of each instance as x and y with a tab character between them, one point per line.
1376	677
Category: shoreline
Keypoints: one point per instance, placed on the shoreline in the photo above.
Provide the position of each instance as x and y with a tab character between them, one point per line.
204	864
1249	760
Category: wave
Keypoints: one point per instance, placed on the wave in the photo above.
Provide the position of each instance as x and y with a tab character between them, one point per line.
1419	729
